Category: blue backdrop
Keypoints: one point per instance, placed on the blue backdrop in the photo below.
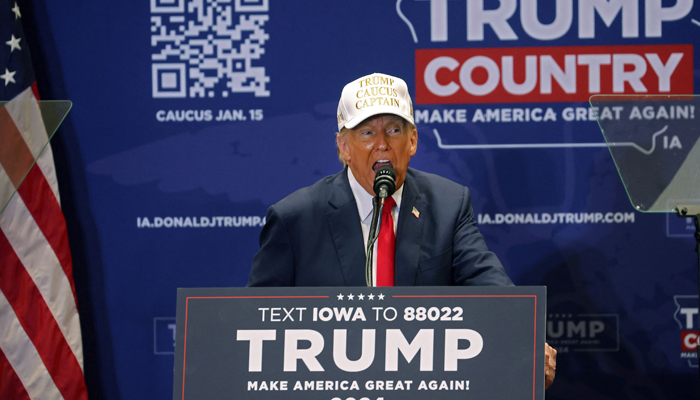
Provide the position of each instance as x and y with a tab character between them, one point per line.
191	117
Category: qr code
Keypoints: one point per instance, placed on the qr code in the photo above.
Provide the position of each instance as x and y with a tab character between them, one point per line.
208	48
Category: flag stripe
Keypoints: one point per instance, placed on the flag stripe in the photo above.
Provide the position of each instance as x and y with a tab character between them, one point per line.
15	156
39	324
10	385
23	357
44	208
6	192
25	111
34	252
35	90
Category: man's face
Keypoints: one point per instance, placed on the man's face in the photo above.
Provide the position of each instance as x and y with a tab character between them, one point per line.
384	139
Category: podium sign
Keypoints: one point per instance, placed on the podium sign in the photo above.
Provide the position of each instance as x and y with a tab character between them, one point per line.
360	343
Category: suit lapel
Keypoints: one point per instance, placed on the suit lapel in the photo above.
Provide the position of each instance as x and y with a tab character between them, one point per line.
408	234
346	230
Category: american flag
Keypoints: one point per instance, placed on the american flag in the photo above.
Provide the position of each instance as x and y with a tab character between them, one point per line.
41	355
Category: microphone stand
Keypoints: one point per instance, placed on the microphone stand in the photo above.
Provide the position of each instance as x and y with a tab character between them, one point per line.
378	203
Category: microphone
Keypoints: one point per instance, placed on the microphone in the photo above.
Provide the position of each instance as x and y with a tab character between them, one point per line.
384	186
385	181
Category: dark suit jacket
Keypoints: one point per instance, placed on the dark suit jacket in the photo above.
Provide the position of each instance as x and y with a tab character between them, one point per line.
313	237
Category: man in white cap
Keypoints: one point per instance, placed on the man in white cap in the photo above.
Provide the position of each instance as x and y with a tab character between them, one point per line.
317	235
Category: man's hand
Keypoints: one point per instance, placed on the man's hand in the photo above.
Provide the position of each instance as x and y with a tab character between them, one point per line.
550	365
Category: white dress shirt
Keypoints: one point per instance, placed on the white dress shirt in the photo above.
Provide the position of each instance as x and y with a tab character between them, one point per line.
365	209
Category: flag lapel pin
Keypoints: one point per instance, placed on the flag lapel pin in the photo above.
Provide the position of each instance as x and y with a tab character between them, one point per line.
415	212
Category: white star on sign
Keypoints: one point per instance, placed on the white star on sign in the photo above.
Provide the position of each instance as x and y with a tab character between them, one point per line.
370	297
16	11
350	296
381	296
360	296
340	297
8	76
14	43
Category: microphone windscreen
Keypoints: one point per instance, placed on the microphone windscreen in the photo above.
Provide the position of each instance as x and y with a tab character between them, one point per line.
385	176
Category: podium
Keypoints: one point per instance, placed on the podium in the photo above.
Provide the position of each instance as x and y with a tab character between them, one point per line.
359	343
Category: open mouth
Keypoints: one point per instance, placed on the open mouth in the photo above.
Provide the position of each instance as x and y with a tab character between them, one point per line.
380	163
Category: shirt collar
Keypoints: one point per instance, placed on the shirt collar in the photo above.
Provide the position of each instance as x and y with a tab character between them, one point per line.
364	199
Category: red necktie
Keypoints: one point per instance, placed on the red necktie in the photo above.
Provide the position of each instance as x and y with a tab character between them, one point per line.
386	246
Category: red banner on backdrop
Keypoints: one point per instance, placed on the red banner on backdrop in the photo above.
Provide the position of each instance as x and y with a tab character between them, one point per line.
550	74
689	340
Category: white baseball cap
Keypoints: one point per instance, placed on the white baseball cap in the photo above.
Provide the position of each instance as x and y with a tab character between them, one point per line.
371	95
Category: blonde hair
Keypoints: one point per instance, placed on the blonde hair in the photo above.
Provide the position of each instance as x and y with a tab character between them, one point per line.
338	135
